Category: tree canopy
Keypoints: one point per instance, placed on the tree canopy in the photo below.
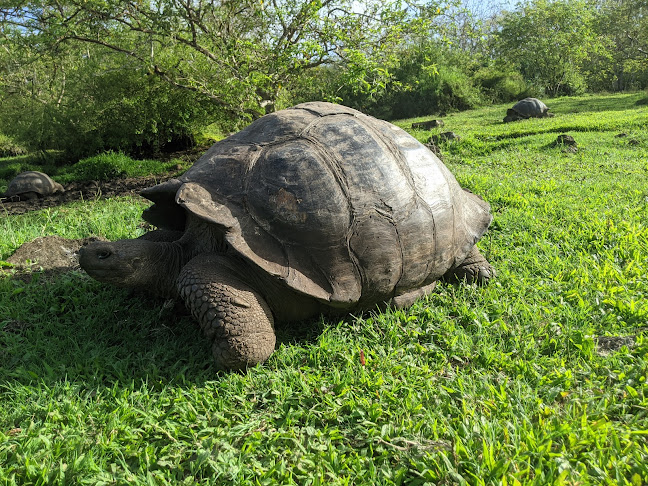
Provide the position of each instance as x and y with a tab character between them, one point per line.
86	75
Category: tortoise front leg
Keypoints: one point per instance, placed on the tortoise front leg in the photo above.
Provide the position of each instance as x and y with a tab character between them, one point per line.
230	312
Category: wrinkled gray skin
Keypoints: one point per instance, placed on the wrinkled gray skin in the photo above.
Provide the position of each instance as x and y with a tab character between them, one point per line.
315	209
527	108
32	185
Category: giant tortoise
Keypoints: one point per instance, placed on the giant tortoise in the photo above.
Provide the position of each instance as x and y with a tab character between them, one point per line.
527	108
313	209
32	185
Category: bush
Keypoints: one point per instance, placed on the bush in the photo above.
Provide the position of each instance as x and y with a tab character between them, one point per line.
115	108
102	167
9	148
114	165
449	89
502	85
10	170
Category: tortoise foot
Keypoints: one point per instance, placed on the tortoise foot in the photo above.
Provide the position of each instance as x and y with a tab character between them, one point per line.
474	269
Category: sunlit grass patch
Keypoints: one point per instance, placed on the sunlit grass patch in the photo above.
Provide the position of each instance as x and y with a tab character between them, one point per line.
540	378
111	218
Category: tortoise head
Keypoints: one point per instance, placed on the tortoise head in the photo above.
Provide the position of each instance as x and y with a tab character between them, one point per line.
138	264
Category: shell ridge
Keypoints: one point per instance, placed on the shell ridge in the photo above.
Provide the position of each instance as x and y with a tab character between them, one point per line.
388	215
335	166
307	107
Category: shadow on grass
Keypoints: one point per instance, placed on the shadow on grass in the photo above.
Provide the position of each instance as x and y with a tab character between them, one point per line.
68	327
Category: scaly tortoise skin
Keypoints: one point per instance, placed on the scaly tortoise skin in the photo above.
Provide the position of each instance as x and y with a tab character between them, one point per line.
31	185
313	209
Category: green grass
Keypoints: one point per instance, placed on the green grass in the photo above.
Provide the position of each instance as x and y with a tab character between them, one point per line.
496	385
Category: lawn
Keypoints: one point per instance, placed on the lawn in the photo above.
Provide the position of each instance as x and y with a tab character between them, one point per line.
540	378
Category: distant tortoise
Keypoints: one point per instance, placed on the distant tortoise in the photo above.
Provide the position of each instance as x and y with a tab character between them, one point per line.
527	108
444	137
426	125
314	209
32	185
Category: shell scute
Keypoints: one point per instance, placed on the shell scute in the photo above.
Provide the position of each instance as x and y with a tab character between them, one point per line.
292	194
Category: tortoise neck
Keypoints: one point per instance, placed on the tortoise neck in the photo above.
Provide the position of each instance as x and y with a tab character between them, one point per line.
166	266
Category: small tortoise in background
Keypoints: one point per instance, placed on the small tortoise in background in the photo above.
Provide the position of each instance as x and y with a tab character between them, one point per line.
314	209
527	108
31	185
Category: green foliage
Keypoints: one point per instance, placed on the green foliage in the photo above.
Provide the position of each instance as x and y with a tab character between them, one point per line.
624	65
235	55
91	102
507	384
448	89
209	135
9	148
549	42
113	165
427	79
502	84
9	170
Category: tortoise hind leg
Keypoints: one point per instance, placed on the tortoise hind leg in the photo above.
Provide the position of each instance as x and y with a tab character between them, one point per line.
231	313
407	299
474	269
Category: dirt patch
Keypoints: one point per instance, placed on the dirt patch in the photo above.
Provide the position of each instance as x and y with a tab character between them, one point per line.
51	255
606	345
80	191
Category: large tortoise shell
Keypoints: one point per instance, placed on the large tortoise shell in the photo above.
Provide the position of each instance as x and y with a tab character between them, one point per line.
32	181
530	107
339	205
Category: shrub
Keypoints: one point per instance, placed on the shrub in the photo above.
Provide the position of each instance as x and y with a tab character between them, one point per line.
9	148
114	165
109	165
112	109
502	85
10	170
447	89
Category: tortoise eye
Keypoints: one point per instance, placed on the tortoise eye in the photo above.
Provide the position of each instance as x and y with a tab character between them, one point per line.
103	254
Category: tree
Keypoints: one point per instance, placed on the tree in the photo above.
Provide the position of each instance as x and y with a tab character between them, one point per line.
82	99
549	41
624	24
239	54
